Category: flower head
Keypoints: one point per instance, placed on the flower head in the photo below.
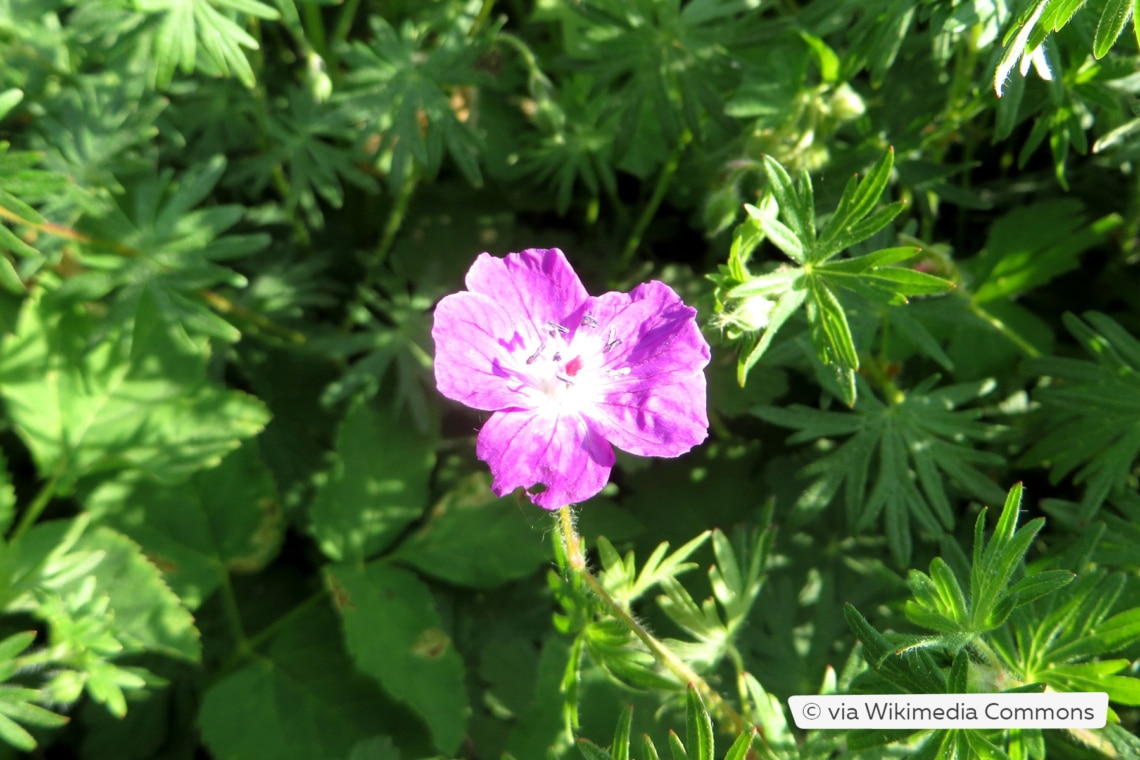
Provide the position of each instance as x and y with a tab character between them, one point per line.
568	375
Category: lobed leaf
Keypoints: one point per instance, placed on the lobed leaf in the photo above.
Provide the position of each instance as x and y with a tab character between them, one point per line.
301	699
459	541
363	504
137	399
395	635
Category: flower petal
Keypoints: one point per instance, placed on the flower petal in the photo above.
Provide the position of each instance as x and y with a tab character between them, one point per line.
653	402
560	451
476	347
533	287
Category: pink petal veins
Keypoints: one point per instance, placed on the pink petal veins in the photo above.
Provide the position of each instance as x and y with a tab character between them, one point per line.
567	375
560	452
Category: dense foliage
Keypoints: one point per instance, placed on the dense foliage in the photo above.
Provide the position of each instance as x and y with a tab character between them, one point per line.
238	521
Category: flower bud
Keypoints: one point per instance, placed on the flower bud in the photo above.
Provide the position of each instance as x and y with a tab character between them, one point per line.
846	104
320	86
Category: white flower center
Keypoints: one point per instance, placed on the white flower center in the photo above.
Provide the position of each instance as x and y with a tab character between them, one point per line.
566	371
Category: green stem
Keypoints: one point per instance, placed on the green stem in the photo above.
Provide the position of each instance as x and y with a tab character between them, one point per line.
395	219
36	508
248	645
872	369
1132	225
261	103
344	20
659	191
315	28
272	629
233	615
1028	348
664	655
982	647
481	19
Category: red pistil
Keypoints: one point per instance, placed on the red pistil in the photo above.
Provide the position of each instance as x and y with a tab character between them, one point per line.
573	366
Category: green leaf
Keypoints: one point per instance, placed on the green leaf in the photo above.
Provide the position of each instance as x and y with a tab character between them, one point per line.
15	736
569	684
919	440
7	497
377	486
915	672
9	99
591	751
785	307
781	236
1092	409
395	635
194	34
995	565
620	747
1112	20
153	246
1119	631
463	539
872	277
78	563
869	738
917	333
147	615
313	142
402	79
224	520
869	262
677	748
658	567
859	198
376	748
85	401
856	232
825	58
649	749
830	333
742	746
1041	584
698	727
1117	136
1032	245
18	704
647	57
299	700
20	186
800	216
12	646
939	603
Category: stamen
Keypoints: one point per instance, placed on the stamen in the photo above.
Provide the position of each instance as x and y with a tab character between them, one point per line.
534	357
589	321
555	327
557	356
563	378
611	342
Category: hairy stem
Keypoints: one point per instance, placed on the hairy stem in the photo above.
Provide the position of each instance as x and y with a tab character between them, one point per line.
663	653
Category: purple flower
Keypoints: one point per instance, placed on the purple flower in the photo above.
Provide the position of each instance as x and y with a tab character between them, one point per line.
567	375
